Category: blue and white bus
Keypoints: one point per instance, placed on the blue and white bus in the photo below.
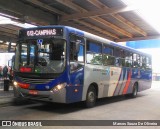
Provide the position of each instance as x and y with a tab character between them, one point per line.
65	65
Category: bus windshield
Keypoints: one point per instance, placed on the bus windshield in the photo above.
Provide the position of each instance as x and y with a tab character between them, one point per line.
40	56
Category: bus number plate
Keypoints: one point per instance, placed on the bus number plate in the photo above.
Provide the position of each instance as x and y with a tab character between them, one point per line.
33	92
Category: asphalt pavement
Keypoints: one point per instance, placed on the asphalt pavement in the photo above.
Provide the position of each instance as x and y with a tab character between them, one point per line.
6	95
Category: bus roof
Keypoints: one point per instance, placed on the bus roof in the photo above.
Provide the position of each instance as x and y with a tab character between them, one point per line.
106	41
93	37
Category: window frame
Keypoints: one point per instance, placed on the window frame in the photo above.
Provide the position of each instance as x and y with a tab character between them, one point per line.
76	61
88	50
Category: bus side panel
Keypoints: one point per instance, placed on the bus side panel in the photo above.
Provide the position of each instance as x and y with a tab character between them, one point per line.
142	77
127	82
130	77
148	76
115	76
96	74
145	80
113	81
104	76
121	82
75	87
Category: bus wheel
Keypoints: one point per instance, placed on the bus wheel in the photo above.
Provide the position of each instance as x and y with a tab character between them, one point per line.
91	97
135	90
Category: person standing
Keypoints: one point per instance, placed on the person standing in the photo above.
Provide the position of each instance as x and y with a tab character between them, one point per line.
5	71
0	72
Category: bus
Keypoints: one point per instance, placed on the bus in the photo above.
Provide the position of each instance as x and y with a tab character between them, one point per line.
66	65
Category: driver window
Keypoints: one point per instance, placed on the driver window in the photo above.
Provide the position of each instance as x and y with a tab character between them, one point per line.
76	56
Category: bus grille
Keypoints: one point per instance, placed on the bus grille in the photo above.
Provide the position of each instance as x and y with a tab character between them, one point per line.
35	81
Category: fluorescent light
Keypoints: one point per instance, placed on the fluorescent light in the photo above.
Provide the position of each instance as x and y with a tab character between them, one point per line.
5	20
148	10
9	16
25	25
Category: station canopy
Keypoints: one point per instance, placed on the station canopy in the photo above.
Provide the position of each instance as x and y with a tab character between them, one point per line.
116	20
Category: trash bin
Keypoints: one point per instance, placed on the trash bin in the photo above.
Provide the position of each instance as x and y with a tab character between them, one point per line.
6	84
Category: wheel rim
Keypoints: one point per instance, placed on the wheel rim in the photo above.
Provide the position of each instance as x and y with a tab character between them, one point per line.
135	91
91	96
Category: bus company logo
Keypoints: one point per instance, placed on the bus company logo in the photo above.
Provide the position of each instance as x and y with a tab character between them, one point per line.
108	71
6	123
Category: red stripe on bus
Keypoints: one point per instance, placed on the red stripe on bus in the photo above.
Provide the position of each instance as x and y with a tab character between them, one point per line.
127	83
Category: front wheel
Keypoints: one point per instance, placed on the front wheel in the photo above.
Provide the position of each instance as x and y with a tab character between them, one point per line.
91	97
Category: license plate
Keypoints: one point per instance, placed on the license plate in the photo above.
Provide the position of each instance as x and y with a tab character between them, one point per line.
33	92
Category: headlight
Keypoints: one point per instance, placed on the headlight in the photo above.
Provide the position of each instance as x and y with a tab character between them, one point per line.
15	83
21	85
59	87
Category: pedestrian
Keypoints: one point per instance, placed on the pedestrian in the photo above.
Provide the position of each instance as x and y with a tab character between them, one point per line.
0	72
5	71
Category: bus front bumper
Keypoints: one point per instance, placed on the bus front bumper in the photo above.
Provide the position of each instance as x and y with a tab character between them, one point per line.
59	96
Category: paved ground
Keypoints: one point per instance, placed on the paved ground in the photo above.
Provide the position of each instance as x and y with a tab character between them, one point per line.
6	97
145	107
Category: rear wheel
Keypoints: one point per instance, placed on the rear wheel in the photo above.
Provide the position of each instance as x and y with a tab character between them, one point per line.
135	90
91	97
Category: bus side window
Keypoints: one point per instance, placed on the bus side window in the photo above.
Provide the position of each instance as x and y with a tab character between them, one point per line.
117	54
73	54
81	53
108	58
138	60
135	61
128	59
148	63
143	62
94	53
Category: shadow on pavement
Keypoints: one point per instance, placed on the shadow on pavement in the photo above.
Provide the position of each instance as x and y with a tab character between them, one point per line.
73	107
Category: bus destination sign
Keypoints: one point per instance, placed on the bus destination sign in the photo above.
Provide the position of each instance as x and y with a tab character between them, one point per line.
42	32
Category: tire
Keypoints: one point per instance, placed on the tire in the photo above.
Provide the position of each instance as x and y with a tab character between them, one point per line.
135	90
91	97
